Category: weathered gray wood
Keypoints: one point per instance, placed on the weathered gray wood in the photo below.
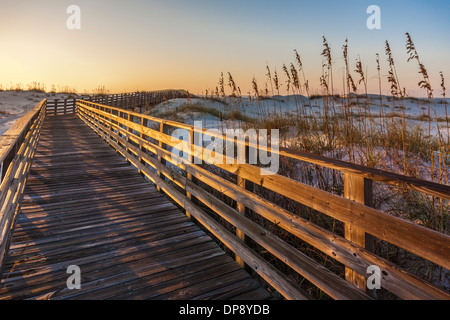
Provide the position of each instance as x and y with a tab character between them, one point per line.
240	207
161	145
13	182
9	139
111	223
359	189
189	176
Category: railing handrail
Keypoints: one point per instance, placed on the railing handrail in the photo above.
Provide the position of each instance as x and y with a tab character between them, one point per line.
424	242
17	148
395	179
10	139
63	106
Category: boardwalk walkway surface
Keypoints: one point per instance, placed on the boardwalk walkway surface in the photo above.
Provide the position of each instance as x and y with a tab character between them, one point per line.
84	205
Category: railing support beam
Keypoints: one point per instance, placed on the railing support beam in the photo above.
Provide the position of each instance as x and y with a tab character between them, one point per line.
359	189
161	145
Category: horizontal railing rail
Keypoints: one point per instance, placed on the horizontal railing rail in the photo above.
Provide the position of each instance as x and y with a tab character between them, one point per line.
63	106
57	107
17	148
138	99
148	148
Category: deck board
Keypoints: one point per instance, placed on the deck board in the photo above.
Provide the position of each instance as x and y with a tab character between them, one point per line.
85	205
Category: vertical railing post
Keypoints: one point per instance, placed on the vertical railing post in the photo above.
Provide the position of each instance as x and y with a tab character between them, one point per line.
161	145
1	171
191	161
239	206
109	121
359	189
129	118
144	123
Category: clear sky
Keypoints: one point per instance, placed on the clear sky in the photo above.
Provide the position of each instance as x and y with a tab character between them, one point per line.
148	45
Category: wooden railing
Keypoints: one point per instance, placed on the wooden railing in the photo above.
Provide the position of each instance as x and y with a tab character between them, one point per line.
17	148
144	141
57	107
138	99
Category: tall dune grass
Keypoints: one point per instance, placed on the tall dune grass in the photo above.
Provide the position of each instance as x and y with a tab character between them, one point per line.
347	128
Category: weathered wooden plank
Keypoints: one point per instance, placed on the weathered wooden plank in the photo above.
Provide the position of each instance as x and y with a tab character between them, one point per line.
14	174
67	203
91	234
33	212
105	272
228	292
359	189
152	244
194	290
162	276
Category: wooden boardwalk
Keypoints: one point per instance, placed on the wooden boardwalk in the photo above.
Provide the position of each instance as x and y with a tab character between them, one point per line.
84	205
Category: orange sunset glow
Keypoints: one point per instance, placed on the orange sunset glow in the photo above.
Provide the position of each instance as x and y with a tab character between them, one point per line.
150	45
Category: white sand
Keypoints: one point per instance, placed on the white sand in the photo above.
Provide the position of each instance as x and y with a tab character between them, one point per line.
14	105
